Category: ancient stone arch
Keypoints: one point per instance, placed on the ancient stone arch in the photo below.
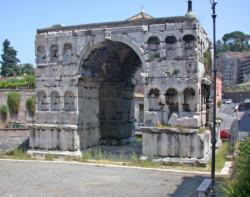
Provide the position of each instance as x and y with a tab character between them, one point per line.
86	85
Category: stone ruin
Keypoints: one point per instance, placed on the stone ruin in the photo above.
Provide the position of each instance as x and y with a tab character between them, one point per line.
85	80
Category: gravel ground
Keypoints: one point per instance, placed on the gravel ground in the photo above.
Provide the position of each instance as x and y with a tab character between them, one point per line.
27	178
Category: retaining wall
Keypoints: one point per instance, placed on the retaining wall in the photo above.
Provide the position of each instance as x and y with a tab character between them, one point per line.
23	116
13	138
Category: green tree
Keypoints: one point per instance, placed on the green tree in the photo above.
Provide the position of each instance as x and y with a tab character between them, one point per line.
9	63
27	69
235	41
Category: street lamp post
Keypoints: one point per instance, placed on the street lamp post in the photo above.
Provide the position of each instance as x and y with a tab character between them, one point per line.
214	103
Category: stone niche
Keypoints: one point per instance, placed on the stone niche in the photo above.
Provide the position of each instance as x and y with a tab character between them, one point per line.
172	145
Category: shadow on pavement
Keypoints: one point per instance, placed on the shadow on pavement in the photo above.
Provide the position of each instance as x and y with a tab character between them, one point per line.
189	185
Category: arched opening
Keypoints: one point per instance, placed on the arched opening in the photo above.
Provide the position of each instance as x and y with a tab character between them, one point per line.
153	47
41	101
54	53
189	100
67	53
189	45
69	101
41	55
114	64
154	101
55	101
171	46
172	100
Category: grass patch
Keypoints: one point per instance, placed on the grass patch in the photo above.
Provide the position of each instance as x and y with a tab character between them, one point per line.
104	157
138	139
18	154
220	157
49	157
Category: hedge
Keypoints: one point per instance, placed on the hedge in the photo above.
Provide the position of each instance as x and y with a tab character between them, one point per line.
13	101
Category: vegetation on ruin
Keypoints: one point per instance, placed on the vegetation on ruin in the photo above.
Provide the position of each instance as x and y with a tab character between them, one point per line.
4	109
163	126
239	183
156	55
13	101
176	71
208	62
31	104
203	130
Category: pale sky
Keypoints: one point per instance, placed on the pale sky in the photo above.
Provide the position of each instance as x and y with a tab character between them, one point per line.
19	19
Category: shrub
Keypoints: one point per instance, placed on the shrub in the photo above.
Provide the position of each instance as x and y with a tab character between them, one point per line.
30	79
13	101
15	81
176	71
31	104
219	103
4	110
240	183
219	118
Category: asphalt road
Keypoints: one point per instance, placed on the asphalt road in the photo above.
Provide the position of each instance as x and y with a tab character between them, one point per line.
228	109
226	112
26	178
32	178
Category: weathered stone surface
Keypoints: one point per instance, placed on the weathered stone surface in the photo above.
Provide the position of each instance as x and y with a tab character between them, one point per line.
176	143
85	77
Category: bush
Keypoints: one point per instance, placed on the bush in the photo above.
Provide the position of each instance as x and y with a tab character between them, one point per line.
15	81
240	183
4	110
31	104
30	80
219	103
13	101
218	118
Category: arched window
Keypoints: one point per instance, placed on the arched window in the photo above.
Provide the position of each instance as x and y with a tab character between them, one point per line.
172	99
41	55
189	45
69	101
171	46
189	100
55	101
153	47
41	101
54	53
67	53
154	101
